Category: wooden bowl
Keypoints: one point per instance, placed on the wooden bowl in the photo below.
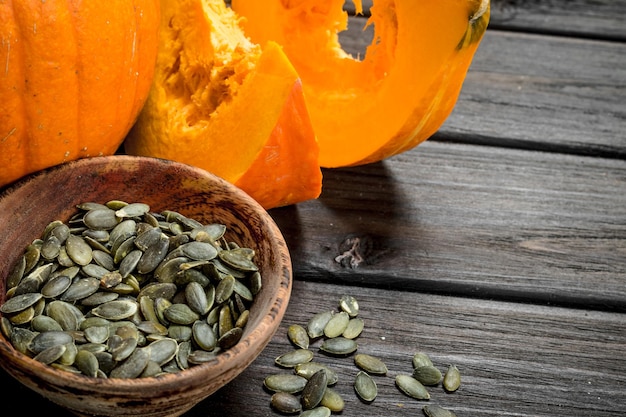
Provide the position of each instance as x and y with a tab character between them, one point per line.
29	205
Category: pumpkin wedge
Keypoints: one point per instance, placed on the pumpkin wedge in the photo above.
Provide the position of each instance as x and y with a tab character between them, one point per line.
402	90
229	106
73	78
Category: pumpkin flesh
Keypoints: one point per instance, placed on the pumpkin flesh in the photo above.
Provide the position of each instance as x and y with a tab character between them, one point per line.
74	78
224	104
399	94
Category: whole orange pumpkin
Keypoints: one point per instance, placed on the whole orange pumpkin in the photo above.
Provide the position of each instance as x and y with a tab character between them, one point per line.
73	77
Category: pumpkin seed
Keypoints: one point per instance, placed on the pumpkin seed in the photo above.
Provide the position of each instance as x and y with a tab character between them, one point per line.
412	387
289	383
298	336
320	411
421	359
286	403
350	305
20	302
294	358
314	389
317	323
339	346
370	364
307	369
354	328
333	400
437	411
452	379
337	324
427	375
365	387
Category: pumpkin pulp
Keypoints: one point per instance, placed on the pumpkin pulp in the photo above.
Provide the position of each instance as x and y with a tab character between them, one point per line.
226	105
399	94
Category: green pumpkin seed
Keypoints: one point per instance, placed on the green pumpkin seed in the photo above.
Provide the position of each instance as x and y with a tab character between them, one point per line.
289	383
20	302
337	324
307	369
317	323
370	364
314	390
350	305
437	411
320	411
412	387
298	336
339	346
365	387
421	359
452	379
427	375
294	357
286	403
354	328
333	400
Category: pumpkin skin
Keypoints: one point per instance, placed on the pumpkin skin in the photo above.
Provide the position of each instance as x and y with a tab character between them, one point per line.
74	77
224	104
400	93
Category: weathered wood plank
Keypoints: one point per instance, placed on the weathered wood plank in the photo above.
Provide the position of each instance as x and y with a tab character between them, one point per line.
515	359
470	220
538	92
596	19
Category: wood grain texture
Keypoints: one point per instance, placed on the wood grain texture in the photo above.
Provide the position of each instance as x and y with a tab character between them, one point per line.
575	18
472	221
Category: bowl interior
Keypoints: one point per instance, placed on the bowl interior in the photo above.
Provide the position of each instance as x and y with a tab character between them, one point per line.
29	205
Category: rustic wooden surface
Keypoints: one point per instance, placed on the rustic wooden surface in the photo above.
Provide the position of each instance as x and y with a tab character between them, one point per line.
498	245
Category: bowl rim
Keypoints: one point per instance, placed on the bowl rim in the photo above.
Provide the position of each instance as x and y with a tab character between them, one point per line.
256	338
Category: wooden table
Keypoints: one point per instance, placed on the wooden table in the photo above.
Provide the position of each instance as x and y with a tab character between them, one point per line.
499	245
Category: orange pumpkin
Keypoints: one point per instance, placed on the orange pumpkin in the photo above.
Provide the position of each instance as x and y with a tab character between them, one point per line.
73	78
229	106
399	94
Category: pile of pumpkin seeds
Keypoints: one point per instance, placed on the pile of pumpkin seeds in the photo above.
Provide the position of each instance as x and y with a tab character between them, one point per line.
308	390
121	292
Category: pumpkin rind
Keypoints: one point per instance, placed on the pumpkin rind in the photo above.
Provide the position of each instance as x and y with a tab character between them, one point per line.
399	94
224	104
73	78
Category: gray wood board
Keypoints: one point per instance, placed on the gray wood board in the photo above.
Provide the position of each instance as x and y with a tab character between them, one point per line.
577	18
515	359
469	220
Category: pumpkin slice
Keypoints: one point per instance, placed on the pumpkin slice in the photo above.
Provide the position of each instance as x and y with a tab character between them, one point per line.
403	89
226	105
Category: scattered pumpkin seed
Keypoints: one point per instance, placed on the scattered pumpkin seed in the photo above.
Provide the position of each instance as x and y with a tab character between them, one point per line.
286	403
293	358
437	411
421	359
339	346
298	336
412	387
427	375
452	379
289	383
370	364
314	389
365	387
